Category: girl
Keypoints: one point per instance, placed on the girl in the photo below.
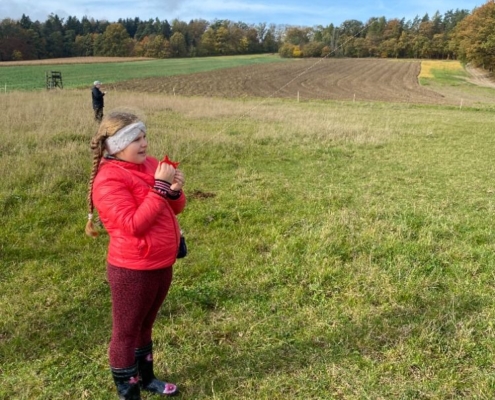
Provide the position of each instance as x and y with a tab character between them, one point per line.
137	199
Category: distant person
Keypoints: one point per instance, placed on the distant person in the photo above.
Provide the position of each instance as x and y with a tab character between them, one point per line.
137	198
97	95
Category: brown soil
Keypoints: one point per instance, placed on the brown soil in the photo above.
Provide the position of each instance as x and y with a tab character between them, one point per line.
73	60
480	77
326	79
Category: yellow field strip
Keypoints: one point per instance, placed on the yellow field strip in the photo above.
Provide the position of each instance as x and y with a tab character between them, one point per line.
427	66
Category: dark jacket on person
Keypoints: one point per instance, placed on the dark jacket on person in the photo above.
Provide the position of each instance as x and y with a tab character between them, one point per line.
97	97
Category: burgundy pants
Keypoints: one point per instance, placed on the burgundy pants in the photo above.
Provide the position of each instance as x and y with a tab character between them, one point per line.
136	299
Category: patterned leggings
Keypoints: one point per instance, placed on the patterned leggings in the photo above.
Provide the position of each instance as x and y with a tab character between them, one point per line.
136	299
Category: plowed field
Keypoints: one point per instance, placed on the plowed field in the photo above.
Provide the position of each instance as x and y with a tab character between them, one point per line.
332	79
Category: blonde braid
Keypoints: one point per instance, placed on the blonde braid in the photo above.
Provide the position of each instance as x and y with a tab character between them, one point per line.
108	127
97	149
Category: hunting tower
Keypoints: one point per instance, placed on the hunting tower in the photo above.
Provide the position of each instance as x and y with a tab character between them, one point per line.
54	79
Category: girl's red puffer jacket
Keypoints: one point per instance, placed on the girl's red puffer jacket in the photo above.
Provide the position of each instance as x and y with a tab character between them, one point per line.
143	228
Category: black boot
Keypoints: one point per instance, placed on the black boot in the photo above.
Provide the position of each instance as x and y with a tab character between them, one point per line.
148	381
127	382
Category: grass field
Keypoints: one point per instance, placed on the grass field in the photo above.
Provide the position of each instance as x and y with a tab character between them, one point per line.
79	74
438	68
337	250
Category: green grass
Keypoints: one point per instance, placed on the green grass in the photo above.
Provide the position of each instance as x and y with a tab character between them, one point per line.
442	72
452	80
32	77
447	78
337	250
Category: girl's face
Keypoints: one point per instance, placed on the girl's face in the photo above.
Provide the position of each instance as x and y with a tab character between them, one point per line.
136	151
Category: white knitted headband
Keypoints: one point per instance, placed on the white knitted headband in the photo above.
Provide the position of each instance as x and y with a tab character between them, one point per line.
124	137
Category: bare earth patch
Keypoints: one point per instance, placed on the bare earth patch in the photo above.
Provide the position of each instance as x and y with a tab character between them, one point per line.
73	60
480	77
325	79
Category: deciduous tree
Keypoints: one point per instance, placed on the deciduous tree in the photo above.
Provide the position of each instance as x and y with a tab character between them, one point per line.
114	42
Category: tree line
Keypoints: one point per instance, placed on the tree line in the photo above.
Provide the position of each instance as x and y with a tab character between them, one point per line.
457	34
58	38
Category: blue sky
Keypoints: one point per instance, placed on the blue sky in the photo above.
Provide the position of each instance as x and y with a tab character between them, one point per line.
287	12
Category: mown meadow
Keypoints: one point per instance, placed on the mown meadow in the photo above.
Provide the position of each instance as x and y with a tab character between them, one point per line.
337	250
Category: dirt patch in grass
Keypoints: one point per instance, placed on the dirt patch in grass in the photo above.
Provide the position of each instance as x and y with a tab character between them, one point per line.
480	77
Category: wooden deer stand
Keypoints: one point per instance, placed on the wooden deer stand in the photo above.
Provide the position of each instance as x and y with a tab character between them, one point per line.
53	80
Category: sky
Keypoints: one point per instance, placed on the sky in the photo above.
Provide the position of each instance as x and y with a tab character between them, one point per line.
280	12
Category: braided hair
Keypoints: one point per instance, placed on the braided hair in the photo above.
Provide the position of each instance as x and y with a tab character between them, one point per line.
110	125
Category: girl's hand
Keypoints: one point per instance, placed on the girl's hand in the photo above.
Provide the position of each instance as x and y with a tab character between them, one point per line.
165	172
178	181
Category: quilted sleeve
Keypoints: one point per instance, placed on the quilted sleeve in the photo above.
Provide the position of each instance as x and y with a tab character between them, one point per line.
179	204
120	206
